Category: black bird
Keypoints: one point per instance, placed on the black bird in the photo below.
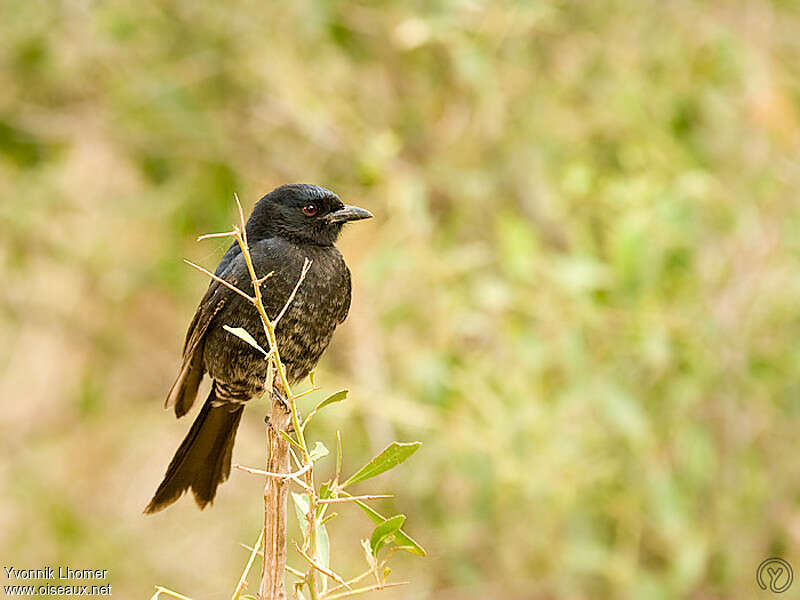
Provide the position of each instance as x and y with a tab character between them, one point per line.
288	225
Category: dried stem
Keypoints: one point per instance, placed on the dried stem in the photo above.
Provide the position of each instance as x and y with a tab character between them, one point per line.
277	472
276	493
277	488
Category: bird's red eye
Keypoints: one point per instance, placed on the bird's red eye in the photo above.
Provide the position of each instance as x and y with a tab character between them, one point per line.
310	209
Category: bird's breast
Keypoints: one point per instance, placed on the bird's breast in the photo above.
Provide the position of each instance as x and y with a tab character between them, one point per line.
319	305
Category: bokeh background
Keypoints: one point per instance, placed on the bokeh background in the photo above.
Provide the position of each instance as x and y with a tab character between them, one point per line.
581	289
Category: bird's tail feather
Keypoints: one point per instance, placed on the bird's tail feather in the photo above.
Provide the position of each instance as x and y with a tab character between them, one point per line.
203	460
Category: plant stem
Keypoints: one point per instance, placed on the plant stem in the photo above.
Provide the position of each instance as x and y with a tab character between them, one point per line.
279	442
276	489
276	493
312	534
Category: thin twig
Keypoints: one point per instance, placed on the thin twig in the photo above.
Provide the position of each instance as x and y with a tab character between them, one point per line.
351	498
162	590
251	549
265	277
258	471
303	273
328	518
316	388
319	567
363	590
241	216
248	297
352	580
291	570
295	572
243	579
207	236
276	475
304	485
374	567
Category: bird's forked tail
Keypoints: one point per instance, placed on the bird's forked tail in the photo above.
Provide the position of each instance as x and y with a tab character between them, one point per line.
203	460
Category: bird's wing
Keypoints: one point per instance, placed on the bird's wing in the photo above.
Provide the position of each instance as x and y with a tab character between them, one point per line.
184	391
226	260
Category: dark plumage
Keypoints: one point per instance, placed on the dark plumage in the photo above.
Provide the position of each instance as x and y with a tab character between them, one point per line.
288	225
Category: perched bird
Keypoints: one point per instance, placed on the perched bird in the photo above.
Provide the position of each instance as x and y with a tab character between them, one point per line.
288	225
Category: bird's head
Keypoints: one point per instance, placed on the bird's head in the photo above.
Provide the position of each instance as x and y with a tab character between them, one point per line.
302	212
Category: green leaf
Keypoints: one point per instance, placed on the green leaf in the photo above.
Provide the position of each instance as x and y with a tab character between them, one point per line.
403	540
335	397
323	546
325	490
319	451
301	506
338	455
384	533
393	455
243	335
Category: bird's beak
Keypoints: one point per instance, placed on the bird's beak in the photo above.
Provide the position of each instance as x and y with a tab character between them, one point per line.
348	213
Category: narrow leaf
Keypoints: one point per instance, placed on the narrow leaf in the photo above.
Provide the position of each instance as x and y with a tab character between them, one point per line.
323	546
325	490
335	397
393	455
383	533
403	539
338	455
301	506
243	335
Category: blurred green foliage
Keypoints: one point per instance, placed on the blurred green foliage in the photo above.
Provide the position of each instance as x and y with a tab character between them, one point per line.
581	289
